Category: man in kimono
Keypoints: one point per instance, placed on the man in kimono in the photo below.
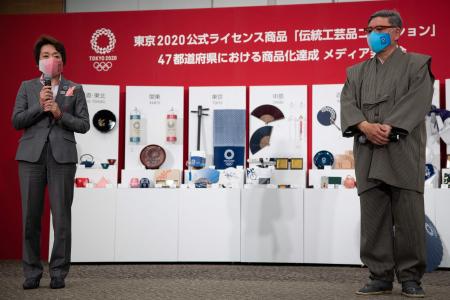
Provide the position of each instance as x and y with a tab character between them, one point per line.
383	106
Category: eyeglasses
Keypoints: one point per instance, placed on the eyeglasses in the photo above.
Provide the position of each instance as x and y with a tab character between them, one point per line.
377	28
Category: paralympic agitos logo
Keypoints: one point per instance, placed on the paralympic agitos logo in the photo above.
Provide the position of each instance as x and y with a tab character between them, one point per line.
103	42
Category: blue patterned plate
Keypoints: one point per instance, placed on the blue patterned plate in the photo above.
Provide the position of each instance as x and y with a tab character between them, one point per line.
323	158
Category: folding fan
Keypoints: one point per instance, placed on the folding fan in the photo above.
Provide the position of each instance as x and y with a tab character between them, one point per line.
260	138
327	116
268	113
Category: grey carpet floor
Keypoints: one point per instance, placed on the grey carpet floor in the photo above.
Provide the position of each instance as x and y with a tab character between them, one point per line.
208	281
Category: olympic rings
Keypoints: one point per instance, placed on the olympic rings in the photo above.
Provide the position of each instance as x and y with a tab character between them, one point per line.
102	66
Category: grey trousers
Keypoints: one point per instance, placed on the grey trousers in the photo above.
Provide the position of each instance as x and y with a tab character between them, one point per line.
393	233
59	178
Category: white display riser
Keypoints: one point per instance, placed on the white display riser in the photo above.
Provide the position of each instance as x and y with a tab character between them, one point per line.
437	207
147	225
272	225
209	225
93	225
227	225
332	226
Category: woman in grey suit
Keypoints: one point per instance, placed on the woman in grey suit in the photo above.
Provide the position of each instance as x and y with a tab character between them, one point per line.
49	109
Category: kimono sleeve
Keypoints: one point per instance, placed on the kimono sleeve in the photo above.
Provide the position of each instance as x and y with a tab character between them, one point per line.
410	110
351	115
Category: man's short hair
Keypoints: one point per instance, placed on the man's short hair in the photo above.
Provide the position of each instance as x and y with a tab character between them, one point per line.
48	40
392	15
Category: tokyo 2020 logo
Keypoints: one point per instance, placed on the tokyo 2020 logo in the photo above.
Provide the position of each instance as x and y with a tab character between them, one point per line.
103	62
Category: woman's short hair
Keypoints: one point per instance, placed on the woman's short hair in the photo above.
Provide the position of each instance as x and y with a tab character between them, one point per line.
48	40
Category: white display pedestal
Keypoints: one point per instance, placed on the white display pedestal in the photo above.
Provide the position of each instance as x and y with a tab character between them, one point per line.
147	224
93	225
332	226
209	225
272	225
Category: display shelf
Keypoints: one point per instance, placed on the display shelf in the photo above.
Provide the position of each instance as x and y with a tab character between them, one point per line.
209	225
147	224
272	225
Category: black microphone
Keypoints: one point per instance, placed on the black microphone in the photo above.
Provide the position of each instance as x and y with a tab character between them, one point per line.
48	82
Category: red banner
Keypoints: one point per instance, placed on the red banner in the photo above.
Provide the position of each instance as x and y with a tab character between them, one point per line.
270	45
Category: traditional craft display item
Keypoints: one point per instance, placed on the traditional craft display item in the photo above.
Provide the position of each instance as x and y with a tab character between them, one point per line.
229	137
87	160
111	161
171	126
324	182
327	116
349	182
104	165
104	120
231	177
197	160
296	163
135	126
344	161
152	156
144	183
208	175
201	183
429	171
259	175
81	182
200	113
282	163
102	183
446	178
168	177
267	113
134	182
260	139
336	180
323	158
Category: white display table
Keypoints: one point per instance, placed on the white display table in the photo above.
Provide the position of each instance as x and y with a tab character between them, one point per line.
227	225
272	225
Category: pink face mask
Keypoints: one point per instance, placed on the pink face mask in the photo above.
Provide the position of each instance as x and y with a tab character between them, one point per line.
51	67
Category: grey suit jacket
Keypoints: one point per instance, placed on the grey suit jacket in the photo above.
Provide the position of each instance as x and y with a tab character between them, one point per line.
39	125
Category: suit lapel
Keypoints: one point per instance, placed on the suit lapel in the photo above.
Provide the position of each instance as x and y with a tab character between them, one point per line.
61	94
37	87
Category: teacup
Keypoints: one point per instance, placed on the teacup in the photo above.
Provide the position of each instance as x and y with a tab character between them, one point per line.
105	165
134	182
81	182
144	183
198	159
111	161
